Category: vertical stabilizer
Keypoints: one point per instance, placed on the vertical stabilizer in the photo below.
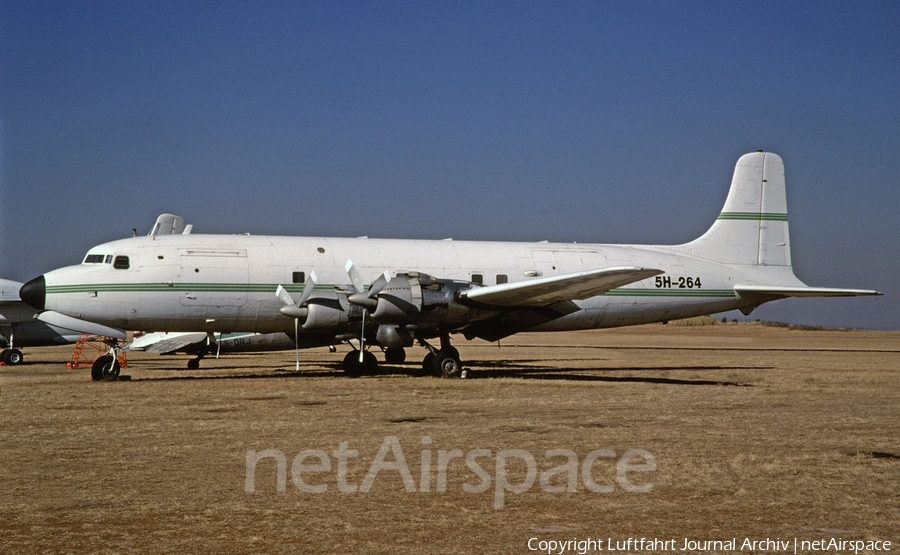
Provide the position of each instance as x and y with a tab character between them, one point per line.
752	228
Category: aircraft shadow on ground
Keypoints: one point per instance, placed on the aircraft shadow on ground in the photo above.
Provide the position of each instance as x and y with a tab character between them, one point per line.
519	369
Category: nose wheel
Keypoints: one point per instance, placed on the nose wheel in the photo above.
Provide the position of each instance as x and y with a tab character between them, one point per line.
105	368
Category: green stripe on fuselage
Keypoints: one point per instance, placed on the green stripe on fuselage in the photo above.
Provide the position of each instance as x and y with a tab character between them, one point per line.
753	216
164	287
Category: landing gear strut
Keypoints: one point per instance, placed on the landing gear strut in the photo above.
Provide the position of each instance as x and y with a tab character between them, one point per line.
443	362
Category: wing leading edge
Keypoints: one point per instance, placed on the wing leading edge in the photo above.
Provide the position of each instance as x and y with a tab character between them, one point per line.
568	287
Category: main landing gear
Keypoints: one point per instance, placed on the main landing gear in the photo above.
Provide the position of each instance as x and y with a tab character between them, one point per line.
443	362
11	357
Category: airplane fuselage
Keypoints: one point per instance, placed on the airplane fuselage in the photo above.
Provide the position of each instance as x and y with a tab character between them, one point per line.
228	282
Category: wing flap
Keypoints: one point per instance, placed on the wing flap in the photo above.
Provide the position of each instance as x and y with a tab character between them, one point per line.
567	287
793	291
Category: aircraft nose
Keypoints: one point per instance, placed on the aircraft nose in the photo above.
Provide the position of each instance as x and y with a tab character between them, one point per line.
35	292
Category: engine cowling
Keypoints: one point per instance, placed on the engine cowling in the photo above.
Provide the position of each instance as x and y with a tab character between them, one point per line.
424	300
327	311
393	336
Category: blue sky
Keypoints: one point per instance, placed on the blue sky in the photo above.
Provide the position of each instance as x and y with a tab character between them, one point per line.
610	122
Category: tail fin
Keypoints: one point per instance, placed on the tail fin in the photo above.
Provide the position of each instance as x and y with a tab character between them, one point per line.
752	228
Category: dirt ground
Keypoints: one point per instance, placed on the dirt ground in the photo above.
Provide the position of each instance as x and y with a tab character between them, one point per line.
740	432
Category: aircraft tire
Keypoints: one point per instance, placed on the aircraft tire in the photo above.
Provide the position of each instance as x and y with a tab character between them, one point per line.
395	355
193	364
370	363
446	365
105	368
350	364
428	364
97	367
12	357
354	368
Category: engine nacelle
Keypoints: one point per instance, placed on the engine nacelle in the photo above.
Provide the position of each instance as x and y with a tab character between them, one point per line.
327	311
393	336
423	300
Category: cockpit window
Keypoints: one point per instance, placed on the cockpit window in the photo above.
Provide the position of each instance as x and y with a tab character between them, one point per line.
97	259
121	263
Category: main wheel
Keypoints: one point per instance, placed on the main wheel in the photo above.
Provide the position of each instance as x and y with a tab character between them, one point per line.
395	355
193	364
350	364
446	365
13	357
354	368
428	364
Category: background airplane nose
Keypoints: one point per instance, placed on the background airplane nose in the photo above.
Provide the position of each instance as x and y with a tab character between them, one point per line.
34	292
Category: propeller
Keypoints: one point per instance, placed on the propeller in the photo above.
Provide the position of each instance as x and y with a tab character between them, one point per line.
363	298
298	310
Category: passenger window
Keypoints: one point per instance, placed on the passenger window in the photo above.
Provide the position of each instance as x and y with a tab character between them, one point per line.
478	278
299	277
501	278
121	263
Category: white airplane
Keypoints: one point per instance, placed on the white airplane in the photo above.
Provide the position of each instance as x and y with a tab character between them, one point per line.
18	327
423	289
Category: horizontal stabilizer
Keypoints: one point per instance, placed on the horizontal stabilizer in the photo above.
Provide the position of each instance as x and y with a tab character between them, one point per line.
792	291
79	326
568	287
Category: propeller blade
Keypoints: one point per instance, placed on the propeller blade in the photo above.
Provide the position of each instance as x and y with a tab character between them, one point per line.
297	343
379	284
307	289
355	278
362	337
285	297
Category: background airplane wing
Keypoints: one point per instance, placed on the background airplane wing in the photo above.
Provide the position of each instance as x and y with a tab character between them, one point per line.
568	287
167	343
792	291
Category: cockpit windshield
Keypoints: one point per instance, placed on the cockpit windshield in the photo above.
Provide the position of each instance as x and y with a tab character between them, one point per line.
98	259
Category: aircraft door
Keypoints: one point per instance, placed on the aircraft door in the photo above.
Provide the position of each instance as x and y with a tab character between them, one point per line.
213	277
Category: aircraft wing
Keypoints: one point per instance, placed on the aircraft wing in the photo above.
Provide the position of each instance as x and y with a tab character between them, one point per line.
567	287
166	343
793	291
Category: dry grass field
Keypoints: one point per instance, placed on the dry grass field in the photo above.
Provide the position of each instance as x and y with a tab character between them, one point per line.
756	432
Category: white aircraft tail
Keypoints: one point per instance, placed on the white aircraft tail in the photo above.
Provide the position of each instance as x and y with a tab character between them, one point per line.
752	228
